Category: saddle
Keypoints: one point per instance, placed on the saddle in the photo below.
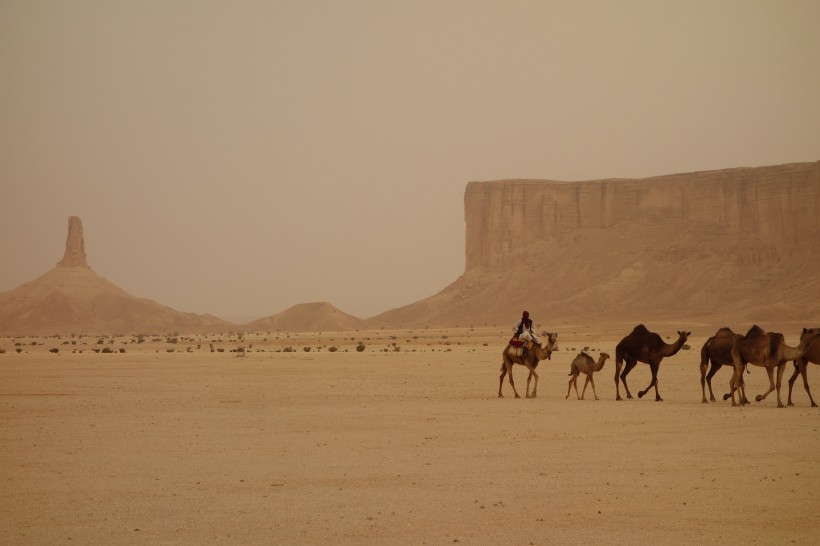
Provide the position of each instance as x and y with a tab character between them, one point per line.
517	346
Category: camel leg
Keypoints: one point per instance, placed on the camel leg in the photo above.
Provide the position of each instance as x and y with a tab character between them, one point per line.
800	368
628	368
653	366
512	383
592	381
731	388
712	371
761	397
806	385
791	383
780	369
507	370
584	390
532	375
573	381
703	381
740	387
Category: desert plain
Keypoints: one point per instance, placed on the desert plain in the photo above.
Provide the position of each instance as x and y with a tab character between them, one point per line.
174	441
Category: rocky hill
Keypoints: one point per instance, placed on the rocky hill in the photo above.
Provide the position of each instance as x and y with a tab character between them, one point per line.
735	246
308	317
72	298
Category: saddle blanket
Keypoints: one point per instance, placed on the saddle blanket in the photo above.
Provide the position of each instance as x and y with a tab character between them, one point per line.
515	351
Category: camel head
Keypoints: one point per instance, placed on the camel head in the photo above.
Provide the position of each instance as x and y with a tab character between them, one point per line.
546	350
809	336
601	361
552	340
684	336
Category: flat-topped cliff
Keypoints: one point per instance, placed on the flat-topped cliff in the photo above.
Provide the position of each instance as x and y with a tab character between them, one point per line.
734	245
777	206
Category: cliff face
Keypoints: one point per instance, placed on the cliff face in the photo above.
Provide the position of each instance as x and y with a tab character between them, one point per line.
732	246
778	207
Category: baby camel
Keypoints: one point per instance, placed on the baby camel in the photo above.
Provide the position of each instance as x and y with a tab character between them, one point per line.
584	363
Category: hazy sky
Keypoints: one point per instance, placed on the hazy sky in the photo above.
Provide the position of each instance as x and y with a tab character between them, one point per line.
240	157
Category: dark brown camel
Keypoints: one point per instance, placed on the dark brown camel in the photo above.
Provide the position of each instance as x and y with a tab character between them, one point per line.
643	346
800	365
768	350
532	356
718	351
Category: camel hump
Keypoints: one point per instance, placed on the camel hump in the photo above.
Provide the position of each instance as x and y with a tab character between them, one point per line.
582	357
755	331
725	332
640	329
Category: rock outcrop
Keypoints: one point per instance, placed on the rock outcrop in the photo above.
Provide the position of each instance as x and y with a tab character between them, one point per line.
74	245
737	245
72	298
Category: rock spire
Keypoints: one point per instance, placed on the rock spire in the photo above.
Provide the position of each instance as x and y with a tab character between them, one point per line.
74	245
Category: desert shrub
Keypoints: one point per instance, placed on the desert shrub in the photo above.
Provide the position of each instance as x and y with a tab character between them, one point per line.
54	350
360	347
686	347
108	350
169	350
332	349
19	350
220	350
2	351
122	350
306	349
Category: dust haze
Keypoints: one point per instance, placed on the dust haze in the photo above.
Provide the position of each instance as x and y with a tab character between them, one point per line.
239	158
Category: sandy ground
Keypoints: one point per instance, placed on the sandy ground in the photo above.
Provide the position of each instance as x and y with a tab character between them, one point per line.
408	446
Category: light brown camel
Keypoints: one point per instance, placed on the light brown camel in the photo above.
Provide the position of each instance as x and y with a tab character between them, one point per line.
718	350
641	345
768	350
532	355
800	365
584	363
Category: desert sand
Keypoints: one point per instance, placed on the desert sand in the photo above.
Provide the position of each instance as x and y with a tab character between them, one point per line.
405	442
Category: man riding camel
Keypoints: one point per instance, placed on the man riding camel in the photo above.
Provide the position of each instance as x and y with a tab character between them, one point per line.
523	329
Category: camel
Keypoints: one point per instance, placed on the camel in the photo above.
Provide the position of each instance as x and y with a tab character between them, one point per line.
584	363
641	345
532	356
800	365
768	350
718	350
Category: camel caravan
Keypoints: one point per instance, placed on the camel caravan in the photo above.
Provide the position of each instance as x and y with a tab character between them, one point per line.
726	348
